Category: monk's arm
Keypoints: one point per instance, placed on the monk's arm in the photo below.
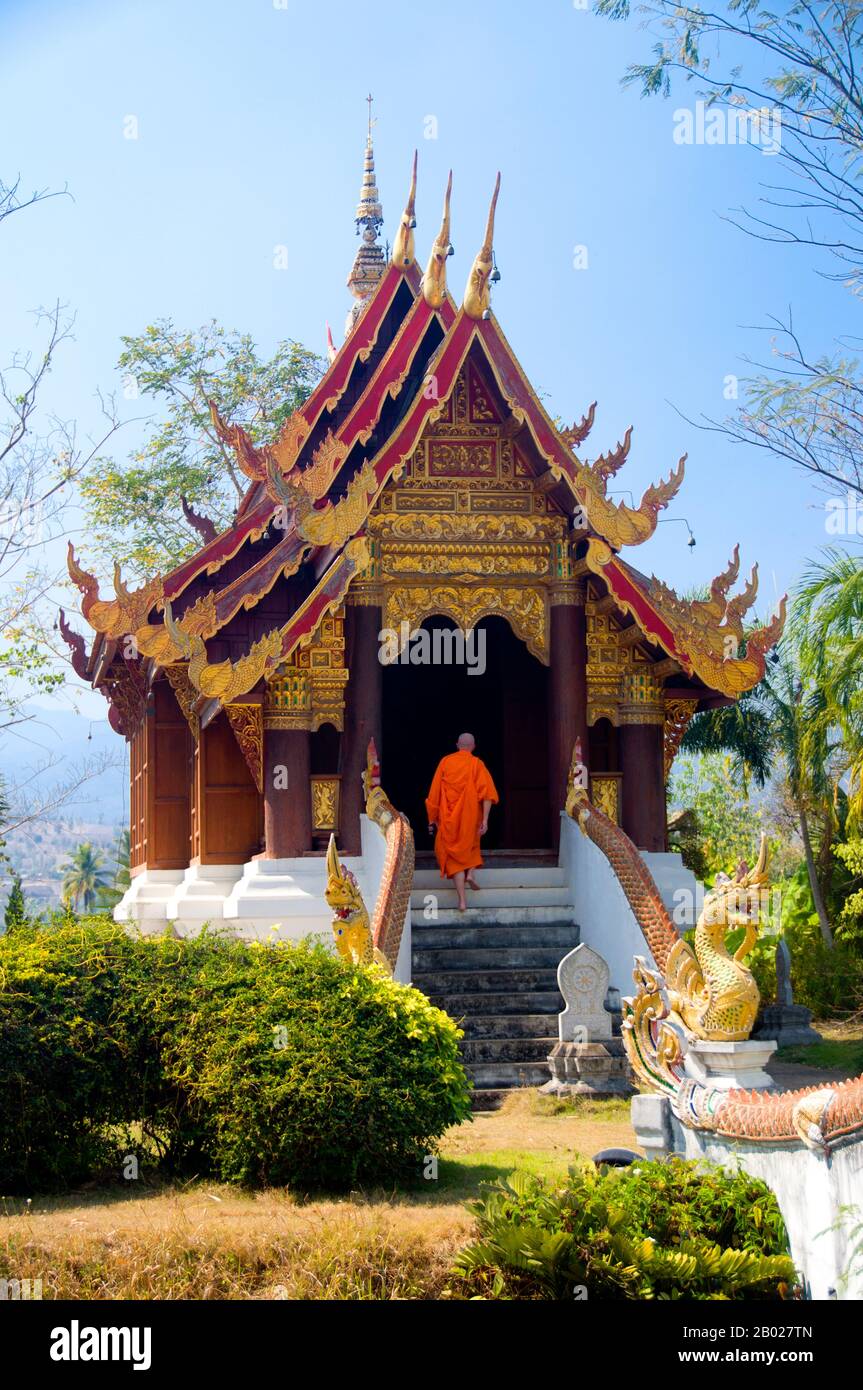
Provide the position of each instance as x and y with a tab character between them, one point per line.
486	807
433	799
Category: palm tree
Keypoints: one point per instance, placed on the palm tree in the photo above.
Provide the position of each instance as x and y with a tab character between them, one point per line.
827	624
778	722
123	876
83	880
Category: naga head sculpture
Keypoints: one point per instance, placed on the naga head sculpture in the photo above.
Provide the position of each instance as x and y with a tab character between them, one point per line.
737	902
350	918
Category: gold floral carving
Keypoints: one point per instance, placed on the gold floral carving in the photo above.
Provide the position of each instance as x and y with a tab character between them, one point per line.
309	689
186	695
247	724
678	713
525	609
465	560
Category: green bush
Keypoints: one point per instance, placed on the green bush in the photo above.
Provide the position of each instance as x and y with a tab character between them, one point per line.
663	1231
77	1058
300	1069
278	1064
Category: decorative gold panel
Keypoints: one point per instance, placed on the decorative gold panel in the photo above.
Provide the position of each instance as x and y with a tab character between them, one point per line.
605	793
622	684
326	797
525	609
309	690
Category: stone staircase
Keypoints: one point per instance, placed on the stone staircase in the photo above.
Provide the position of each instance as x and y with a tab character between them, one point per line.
493	968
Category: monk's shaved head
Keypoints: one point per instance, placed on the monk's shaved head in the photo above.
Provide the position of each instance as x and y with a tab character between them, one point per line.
466	741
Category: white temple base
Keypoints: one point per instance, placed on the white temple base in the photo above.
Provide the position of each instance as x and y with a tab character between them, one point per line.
201	896
729	1066
146	899
283	899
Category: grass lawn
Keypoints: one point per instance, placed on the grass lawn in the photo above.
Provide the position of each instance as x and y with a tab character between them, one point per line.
206	1241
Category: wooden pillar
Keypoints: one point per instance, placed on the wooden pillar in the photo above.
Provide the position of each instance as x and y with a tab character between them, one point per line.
643	796
287	797
363	697
567	697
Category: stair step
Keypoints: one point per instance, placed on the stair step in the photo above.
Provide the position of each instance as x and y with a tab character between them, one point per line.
513	981
562	935
508	1027
458	1006
548	914
482	958
544	876
550	895
475	1050
494	1074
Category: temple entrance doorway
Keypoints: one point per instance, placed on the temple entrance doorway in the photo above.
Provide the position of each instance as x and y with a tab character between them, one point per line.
426	707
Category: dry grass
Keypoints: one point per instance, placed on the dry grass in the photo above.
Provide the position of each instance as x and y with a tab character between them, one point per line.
210	1242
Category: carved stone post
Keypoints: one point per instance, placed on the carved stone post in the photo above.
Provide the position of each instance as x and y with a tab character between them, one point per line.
363	696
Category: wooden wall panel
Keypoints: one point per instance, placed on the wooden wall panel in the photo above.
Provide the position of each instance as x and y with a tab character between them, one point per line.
228	807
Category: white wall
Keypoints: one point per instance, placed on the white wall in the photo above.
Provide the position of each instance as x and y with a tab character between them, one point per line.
812	1192
607	922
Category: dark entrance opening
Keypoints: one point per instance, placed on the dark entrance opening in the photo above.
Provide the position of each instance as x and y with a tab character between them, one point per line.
426	707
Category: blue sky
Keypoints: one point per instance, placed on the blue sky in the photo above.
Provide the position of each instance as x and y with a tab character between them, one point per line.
251	120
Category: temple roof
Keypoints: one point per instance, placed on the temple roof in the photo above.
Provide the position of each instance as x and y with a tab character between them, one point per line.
303	518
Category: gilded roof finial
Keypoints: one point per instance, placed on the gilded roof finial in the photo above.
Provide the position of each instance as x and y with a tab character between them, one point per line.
434	280
403	247
369	262
476	295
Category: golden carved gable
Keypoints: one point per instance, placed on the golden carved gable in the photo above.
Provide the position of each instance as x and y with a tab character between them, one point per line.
466	531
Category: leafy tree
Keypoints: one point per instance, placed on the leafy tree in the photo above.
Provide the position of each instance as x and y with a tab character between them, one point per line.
801	63
83	879
728	826
123	874
16	910
135	507
775	727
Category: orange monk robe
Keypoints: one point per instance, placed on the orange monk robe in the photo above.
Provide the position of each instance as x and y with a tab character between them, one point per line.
454	804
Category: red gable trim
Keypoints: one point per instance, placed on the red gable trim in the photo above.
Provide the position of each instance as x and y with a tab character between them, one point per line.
624	587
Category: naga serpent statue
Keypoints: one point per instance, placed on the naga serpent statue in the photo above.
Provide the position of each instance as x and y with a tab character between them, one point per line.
358	939
706	993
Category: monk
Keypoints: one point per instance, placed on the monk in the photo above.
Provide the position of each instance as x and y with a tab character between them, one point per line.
462	794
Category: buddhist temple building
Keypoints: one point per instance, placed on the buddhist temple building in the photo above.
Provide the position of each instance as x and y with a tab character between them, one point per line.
422	488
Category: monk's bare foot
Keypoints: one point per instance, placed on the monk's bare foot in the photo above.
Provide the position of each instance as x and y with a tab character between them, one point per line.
472	883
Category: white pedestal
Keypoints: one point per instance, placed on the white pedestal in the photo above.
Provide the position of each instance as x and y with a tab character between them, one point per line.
731	1066
146	899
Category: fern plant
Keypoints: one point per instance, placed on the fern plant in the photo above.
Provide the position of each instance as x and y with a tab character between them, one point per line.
592	1238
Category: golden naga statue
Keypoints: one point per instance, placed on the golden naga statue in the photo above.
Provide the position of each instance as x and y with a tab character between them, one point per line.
351	926
711	991
477	297
403	246
434	280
